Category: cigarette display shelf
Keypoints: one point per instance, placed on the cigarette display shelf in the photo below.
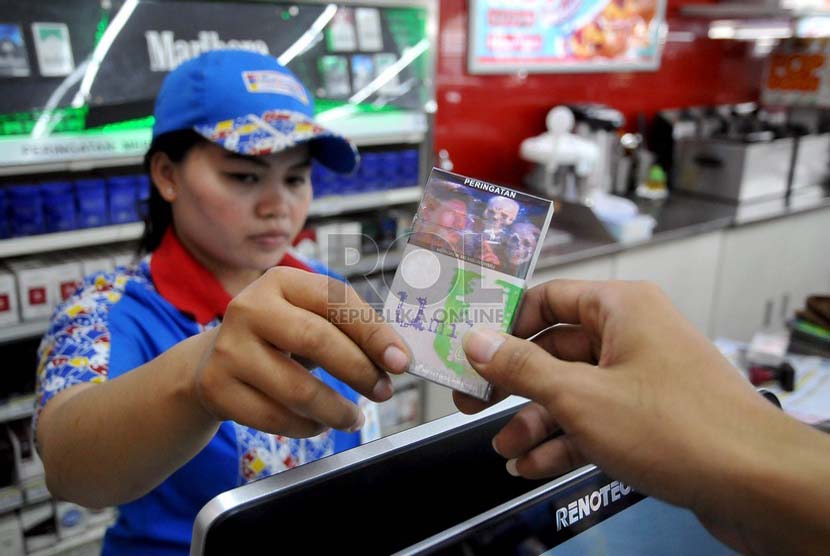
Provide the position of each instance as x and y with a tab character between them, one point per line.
324	206
368	264
11	498
76	545
21	331
30	245
18	407
340	204
70	165
42	496
80	152
77	152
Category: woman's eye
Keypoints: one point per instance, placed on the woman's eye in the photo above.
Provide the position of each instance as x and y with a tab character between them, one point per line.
296	181
244	178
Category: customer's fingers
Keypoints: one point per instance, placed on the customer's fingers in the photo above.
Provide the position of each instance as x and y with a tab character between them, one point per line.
569	343
520	367
565	342
528	428
469	405
555	302
550	459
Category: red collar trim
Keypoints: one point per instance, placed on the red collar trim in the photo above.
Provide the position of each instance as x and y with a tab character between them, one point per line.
189	286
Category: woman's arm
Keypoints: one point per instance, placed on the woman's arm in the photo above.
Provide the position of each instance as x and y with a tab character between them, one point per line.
106	444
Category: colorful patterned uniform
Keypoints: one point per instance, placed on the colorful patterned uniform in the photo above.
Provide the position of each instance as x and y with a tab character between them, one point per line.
117	322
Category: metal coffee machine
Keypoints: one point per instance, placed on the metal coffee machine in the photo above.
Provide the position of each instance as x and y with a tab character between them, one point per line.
576	156
601	125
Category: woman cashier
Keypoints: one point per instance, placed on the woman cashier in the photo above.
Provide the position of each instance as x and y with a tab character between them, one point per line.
170	381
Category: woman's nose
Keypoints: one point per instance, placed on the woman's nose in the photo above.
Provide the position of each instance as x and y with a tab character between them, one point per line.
273	203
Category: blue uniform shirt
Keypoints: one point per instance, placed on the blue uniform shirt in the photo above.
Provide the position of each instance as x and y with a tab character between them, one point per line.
119	321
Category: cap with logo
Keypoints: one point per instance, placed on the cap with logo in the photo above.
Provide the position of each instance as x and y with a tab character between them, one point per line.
247	103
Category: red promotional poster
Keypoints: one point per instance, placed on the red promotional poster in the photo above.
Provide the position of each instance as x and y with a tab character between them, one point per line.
565	35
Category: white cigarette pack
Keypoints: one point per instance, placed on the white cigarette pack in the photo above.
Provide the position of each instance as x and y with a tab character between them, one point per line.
472	249
34	284
124	256
11	536
94	261
67	276
9	313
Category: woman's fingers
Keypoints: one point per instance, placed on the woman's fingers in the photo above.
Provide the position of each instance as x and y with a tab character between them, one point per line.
339	304
292	312
285	386
324	321
262	413
313	337
250	360
288	383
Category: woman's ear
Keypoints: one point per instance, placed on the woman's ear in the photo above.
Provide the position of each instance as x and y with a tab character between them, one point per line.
163	174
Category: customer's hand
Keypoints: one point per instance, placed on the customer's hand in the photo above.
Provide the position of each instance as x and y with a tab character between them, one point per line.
250	372
638	391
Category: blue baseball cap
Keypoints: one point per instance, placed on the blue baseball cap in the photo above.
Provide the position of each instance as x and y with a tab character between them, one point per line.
250	104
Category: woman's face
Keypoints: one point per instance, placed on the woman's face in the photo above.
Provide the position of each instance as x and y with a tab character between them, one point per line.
239	213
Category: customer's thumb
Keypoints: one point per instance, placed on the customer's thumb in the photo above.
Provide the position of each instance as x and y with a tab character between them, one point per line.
514	365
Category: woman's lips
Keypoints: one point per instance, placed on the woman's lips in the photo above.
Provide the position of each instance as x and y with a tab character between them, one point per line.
270	239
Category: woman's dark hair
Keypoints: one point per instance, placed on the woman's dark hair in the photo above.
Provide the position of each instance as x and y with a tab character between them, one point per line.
158	214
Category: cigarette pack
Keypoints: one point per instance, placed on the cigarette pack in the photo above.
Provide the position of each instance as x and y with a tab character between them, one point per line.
34	284
9	313
471	250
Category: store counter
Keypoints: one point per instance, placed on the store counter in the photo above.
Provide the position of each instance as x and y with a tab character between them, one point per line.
809	401
441	489
679	216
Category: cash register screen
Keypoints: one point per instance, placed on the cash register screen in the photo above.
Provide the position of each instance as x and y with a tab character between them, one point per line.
377	498
436	489
548	523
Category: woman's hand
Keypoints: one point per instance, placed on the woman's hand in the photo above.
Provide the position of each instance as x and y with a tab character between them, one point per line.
635	389
250	373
